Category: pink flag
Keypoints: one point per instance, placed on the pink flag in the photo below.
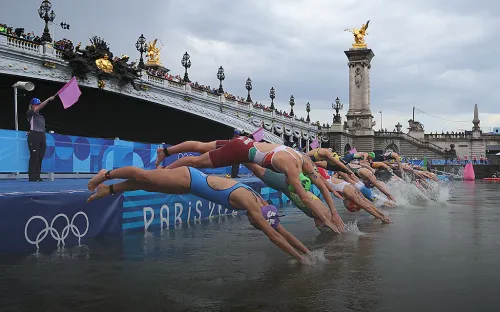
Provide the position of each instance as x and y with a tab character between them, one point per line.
70	93
314	144
353	151
258	135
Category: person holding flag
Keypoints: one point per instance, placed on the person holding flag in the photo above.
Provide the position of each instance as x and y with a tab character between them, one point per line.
69	95
36	137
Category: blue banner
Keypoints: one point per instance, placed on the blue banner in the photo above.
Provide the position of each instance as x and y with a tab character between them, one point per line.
48	221
143	210
69	154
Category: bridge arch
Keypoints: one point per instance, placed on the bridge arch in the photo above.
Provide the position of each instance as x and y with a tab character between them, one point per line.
392	147
347	148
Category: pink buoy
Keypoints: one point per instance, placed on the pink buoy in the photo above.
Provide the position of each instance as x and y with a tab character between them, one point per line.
469	173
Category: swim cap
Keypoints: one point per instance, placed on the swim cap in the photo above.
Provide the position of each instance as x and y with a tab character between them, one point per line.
323	173
351	206
371	154
35	101
270	213
335	155
305	181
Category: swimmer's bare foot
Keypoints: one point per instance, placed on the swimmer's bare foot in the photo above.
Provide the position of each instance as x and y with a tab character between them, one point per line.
160	156
97	180
102	191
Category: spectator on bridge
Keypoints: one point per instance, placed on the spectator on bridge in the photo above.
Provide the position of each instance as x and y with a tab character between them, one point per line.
36	138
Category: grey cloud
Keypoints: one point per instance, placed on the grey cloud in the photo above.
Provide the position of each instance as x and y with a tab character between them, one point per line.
421	48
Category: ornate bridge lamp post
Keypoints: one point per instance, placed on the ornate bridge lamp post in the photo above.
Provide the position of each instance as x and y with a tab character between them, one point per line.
186	63
337	106
48	15
272	95
140	45
248	86
308	109
221	76
292	103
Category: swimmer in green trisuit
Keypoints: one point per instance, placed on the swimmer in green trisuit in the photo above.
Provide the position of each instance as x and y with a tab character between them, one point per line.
226	192
277	181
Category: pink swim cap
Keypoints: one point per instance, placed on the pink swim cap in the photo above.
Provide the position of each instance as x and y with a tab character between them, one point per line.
323	173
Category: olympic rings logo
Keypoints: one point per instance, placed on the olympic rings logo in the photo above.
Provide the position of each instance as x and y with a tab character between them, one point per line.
59	237
271	215
180	155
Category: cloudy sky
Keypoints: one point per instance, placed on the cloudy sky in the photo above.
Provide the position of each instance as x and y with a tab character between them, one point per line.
436	55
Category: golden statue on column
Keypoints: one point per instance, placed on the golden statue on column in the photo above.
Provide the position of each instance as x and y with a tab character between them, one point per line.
359	36
153	53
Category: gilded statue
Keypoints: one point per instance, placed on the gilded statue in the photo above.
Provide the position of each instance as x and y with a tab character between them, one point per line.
153	52
104	64
359	35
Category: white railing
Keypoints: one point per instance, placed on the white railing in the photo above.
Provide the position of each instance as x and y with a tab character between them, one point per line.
23	44
241	108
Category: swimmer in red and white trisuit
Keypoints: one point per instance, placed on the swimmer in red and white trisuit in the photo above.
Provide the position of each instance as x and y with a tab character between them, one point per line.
364	173
223	191
279	158
353	198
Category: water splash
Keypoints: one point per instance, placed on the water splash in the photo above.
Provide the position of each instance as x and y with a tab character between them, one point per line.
409	193
316	257
352	228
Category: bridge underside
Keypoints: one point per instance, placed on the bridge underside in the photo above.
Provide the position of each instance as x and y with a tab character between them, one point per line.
108	115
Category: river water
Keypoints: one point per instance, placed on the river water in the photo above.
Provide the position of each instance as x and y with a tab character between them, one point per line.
436	256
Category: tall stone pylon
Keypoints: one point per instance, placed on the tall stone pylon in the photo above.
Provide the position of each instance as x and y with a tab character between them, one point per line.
359	115
476	120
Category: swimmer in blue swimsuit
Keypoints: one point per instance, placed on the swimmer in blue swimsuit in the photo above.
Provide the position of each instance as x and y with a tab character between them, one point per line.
226	192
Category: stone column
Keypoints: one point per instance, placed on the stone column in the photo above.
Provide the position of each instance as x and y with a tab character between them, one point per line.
359	115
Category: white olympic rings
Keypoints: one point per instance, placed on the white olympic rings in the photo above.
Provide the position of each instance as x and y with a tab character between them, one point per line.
59	237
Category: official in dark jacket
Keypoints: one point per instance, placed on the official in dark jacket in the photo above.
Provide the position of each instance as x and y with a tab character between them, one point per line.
36	137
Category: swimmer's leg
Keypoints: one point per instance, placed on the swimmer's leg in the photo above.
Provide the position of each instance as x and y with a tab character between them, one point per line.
167	181
348	178
118	188
202	161
184	147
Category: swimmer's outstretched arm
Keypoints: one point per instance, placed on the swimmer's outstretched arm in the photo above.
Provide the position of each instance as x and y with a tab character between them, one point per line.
337	162
330	188
316	206
292	240
362	202
312	173
273	235
396	156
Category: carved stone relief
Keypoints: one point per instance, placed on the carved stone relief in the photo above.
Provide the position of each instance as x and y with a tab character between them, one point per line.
358	77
